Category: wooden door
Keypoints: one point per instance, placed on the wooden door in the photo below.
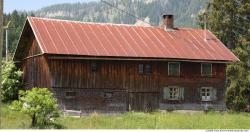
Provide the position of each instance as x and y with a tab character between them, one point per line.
143	101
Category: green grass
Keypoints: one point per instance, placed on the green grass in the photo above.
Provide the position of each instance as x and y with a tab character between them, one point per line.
11	119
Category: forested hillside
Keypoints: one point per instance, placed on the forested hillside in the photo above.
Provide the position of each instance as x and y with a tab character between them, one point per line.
185	11
17	21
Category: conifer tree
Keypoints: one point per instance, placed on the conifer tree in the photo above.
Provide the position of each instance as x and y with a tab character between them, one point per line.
230	21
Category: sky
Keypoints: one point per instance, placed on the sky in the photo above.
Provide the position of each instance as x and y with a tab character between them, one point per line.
29	5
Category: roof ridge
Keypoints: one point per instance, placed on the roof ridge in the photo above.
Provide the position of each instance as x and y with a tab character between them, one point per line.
94	23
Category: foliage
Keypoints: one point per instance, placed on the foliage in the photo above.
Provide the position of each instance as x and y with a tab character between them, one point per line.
17	21
230	21
239	80
11	81
39	104
13	120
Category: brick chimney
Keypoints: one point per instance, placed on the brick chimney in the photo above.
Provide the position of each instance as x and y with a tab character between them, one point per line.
168	22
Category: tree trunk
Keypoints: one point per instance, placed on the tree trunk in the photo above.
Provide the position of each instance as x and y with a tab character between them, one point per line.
34	120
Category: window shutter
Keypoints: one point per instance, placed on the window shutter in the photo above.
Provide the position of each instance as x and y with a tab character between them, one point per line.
181	96
199	93
214	93
166	93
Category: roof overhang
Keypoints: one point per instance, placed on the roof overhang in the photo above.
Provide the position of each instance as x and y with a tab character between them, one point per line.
114	58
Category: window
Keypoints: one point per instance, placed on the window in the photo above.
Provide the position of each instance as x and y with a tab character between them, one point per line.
70	94
208	94
141	68
173	93
148	69
145	69
206	69
174	69
108	95
94	67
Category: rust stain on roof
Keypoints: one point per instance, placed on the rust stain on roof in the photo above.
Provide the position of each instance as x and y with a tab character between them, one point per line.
114	40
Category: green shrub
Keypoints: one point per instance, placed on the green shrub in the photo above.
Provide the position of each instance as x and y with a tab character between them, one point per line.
11	81
39	104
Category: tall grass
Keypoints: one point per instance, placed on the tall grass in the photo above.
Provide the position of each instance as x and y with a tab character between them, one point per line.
159	121
11	119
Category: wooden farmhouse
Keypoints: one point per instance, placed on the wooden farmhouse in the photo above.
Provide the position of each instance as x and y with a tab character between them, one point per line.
118	68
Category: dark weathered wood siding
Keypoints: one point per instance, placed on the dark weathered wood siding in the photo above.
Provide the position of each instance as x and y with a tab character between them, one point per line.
35	67
138	92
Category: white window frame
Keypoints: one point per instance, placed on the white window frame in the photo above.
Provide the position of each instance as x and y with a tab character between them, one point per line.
177	91
205	98
179	96
202	70
179	68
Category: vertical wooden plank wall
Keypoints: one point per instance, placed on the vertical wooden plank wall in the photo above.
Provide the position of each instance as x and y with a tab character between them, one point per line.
142	92
35	68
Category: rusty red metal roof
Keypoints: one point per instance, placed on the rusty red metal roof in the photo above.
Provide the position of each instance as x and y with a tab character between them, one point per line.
114	40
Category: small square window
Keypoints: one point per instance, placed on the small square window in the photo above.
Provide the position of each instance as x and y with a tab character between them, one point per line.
94	67
174	93
141	68
206	69
70	94
174	69
148	69
108	95
206	93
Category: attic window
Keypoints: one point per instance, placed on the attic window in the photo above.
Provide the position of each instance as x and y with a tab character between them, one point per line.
206	69
174	69
141	68
94	67
148	69
144	69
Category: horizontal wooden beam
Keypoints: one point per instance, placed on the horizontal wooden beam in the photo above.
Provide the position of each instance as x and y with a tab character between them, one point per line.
131	59
33	56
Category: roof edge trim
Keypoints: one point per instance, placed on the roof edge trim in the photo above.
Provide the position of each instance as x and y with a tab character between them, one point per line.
21	34
33	30
52	56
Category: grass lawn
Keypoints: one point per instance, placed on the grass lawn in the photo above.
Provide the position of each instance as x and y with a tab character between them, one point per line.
15	120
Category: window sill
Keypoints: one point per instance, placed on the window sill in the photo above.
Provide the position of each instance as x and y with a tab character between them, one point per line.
70	97
206	100
145	74
210	76
172	101
174	76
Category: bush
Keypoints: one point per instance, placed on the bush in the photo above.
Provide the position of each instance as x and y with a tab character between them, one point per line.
39	104
11	81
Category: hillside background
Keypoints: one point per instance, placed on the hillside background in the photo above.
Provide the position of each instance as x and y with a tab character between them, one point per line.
185	11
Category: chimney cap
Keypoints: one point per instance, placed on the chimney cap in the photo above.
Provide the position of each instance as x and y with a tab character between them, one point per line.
168	16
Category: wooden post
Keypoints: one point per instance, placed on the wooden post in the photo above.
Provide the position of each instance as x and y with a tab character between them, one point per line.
6	44
1	44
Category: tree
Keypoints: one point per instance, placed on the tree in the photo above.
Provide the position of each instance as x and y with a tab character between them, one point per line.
11	81
230	21
17	21
39	104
